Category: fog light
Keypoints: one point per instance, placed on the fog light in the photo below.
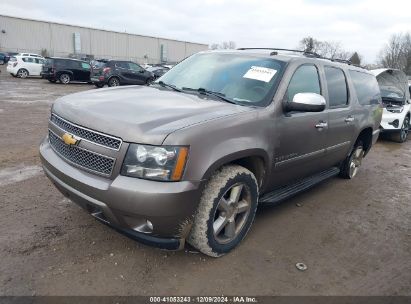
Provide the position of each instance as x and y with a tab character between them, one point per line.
147	227
395	123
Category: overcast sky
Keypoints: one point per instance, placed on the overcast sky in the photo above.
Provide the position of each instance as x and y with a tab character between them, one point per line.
359	25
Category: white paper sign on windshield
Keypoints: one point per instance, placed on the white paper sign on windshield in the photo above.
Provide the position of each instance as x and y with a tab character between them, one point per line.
260	73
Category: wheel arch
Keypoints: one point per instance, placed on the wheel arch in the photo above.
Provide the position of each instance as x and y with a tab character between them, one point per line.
28	73
366	137
255	160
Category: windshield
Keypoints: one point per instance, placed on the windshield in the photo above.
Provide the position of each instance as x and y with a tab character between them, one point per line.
243	79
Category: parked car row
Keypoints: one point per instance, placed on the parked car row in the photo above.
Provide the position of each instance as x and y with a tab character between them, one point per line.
393	83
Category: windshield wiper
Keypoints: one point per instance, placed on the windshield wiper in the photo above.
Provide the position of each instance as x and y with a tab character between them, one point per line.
166	85
210	93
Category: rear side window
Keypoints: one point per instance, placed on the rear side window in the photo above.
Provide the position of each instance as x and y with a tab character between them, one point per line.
304	80
85	66
337	87
27	59
122	64
366	87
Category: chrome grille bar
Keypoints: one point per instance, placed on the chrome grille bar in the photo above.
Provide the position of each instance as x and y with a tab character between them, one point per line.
87	134
86	159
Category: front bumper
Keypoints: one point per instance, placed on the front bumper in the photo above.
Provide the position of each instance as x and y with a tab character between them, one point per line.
392	122
127	203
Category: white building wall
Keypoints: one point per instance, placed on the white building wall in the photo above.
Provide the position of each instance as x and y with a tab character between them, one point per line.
24	35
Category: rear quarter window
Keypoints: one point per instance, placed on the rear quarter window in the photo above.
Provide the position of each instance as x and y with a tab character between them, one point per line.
366	88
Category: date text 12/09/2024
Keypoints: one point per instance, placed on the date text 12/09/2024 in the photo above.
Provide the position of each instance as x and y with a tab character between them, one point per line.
204	299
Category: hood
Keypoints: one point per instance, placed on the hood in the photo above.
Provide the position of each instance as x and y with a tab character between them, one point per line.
140	114
393	84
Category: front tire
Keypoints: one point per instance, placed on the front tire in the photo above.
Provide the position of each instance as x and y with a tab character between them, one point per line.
99	85
52	80
226	211
402	135
352	163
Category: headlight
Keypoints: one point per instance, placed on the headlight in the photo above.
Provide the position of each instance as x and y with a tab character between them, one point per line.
164	163
398	109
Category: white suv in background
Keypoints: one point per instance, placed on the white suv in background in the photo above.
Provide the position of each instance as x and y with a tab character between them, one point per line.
24	66
395	95
29	55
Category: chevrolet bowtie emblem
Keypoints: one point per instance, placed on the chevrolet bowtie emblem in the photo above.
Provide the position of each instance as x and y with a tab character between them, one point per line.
69	139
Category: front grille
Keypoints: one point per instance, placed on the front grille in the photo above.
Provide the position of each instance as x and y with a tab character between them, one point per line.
90	135
81	157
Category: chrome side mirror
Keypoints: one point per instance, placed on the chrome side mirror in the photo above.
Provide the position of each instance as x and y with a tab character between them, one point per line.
306	102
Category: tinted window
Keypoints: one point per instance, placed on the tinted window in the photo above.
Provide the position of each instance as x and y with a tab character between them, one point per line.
337	87
72	64
134	67
366	87
27	59
304	80
38	60
122	65
85	66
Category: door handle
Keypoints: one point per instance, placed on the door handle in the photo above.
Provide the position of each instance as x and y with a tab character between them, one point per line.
321	124
349	119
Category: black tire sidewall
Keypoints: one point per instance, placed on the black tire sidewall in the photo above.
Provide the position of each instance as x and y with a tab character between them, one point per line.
249	181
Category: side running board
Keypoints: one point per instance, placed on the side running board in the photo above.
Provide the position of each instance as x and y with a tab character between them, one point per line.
288	191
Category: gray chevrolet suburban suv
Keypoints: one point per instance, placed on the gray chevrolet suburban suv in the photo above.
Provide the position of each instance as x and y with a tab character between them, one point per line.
191	156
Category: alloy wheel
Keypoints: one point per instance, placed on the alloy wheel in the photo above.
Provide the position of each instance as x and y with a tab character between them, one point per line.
23	74
405	129
356	160
64	78
114	82
231	213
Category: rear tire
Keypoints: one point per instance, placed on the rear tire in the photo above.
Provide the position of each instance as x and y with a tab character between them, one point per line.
401	136
52	80
226	211
99	85
22	73
352	163
113	82
13	75
64	78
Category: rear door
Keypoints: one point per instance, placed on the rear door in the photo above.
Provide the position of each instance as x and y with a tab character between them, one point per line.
30	65
84	71
300	138
38	62
341	118
124	72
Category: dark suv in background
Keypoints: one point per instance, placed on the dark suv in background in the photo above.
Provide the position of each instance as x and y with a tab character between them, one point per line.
116	72
65	70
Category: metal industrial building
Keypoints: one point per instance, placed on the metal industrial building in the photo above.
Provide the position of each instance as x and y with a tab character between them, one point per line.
63	40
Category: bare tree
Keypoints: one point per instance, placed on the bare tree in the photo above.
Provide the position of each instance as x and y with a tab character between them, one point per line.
397	53
329	49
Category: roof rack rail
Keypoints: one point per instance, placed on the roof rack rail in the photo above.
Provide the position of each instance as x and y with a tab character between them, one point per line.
306	53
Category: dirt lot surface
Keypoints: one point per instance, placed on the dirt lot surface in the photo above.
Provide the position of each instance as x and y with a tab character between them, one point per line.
354	236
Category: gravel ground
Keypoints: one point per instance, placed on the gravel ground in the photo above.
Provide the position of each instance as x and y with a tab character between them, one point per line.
354	236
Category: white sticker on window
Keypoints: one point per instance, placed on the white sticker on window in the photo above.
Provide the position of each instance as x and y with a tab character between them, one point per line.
260	73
